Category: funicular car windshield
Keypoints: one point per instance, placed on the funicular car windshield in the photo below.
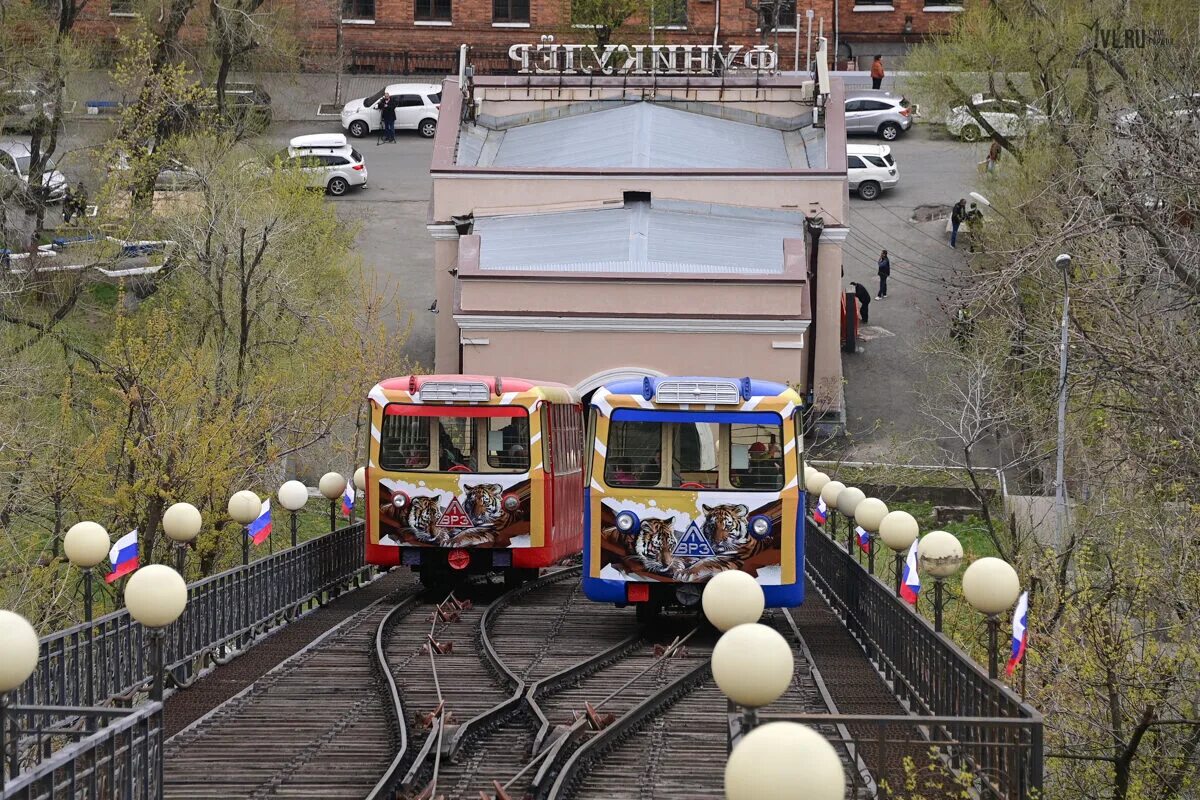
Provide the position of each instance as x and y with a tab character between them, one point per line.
731	451
439	442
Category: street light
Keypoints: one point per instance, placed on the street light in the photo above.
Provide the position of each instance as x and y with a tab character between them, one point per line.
360	483
869	515
991	587
86	545
18	658
732	598
814	482
155	597
181	522
829	493
1063	262
898	530
292	496
939	554
752	665
847	502
332	484
783	761
245	507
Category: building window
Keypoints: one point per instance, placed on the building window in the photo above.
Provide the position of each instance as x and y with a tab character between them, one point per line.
669	13
431	10
510	10
358	9
772	15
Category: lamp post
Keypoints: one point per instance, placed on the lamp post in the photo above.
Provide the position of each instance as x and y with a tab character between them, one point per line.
332	484
940	555
156	596
181	522
752	665
829	493
732	598
773	763
292	496
898	530
18	658
245	507
869	515
847	503
991	587
86	545
1063	262
814	482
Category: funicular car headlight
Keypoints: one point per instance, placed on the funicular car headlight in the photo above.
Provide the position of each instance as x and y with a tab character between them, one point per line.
511	502
399	500
760	527
627	522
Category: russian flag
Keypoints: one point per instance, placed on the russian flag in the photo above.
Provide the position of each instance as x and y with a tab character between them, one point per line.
348	499
910	585
822	511
864	538
260	529
124	556
1020	633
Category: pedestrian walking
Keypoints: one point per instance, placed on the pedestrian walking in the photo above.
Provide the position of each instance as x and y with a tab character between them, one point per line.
75	203
387	113
863	295
974	220
885	269
993	156
957	215
877	72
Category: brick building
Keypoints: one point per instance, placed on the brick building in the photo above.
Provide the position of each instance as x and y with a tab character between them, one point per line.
410	36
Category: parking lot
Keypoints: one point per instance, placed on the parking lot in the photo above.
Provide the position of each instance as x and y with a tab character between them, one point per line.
390	213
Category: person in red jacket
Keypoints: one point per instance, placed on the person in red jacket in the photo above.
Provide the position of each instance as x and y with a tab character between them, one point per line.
877	72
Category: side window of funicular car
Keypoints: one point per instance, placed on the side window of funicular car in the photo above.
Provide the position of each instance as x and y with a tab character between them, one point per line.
589	444
404	442
634	454
508	443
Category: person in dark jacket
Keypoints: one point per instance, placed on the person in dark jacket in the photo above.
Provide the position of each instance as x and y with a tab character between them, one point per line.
863	295
957	215
387	113
885	269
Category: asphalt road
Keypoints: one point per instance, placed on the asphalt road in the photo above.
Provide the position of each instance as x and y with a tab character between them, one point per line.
397	253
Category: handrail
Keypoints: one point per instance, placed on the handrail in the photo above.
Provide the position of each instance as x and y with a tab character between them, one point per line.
225	613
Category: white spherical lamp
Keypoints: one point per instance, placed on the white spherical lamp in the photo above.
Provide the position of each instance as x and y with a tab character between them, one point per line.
245	507
939	554
815	481
18	650
156	595
870	513
182	522
732	598
848	500
991	585
784	761
332	484
293	495
360	478
831	491
898	530
86	544
752	664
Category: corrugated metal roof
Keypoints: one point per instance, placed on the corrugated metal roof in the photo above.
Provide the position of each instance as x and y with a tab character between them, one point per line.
640	135
640	237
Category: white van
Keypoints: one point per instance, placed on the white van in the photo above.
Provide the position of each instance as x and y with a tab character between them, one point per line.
871	169
417	106
329	161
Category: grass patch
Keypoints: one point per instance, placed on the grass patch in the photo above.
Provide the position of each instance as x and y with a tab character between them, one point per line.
105	294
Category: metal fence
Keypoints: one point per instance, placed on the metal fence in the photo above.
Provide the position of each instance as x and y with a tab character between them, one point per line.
224	614
996	735
88	754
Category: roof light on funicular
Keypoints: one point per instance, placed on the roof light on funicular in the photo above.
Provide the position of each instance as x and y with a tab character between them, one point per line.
455	391
716	392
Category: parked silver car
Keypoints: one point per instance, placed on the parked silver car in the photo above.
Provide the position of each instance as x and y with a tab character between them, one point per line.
327	161
15	161
876	112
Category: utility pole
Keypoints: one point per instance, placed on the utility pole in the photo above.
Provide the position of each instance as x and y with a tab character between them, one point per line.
1063	262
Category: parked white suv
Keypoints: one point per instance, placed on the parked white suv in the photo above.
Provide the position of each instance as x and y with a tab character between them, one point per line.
328	160
1007	117
417	106
15	160
871	169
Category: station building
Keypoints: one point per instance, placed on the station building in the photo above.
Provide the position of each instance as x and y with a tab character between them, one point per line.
591	228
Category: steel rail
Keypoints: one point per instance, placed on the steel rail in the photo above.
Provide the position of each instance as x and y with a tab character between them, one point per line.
393	691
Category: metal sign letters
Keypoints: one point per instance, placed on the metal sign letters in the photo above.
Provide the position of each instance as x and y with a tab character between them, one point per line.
639	59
